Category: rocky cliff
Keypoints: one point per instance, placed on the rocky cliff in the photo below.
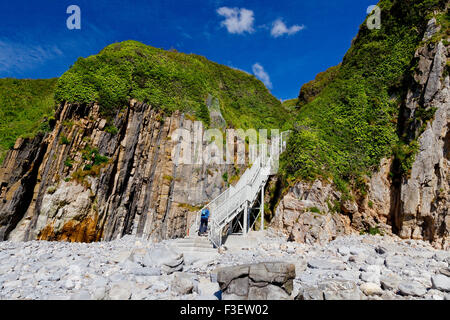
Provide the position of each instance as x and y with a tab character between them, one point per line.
92	178
412	205
105	165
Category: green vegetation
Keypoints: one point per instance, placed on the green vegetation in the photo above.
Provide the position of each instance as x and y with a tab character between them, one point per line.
312	89
111	129
315	210
343	133
93	155
170	81
334	207
291	108
189	207
96	162
64	140
291	105
23	106
68	162
168	178
372	231
225	177
443	20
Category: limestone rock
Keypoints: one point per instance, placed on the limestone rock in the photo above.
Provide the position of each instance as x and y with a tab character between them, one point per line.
294	216
207	288
182	283
340	290
325	264
164	257
390	281
441	282
370	289
121	291
310	293
46	194
412	289
257	281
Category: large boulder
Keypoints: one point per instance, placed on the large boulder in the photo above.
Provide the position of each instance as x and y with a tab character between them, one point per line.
263	281
164	257
183	283
441	282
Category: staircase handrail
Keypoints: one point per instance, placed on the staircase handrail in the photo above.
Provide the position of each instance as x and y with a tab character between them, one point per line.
226	206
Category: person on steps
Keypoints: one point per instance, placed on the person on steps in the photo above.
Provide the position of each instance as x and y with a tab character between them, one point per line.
204	222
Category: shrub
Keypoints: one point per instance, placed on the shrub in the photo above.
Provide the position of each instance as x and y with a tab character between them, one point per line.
168	178
225	177
315	210
64	140
374	231
51	190
68	162
111	129
24	104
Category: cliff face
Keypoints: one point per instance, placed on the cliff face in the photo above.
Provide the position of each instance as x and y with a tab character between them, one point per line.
93	178
104	170
413	206
425	195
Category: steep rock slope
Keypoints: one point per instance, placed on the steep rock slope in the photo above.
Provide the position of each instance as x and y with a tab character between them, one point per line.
108	165
82	183
23	104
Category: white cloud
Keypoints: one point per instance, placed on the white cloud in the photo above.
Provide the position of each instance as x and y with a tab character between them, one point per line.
237	20
279	29
262	75
16	56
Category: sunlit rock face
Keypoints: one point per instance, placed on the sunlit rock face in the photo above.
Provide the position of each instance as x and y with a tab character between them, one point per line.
93	178
414	206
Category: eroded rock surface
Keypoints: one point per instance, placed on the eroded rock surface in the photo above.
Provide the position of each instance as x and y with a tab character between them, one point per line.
94	179
412	205
263	281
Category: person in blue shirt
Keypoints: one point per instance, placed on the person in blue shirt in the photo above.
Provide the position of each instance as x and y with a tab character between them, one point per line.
204	221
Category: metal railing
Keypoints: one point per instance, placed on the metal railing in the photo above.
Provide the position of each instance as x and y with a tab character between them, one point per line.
232	201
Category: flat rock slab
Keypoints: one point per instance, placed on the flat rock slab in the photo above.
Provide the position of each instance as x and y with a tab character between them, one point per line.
412	289
325	264
441	282
263	281
340	290
370	289
395	262
310	293
390	281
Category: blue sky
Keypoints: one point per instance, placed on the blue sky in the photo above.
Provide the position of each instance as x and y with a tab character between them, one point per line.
284	42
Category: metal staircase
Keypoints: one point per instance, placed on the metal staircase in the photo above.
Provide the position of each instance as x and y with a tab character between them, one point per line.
239	198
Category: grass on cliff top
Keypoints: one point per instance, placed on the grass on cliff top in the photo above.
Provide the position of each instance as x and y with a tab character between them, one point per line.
312	89
171	81
23	105
352	124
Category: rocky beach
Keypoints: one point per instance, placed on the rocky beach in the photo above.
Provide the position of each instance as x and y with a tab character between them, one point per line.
350	267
